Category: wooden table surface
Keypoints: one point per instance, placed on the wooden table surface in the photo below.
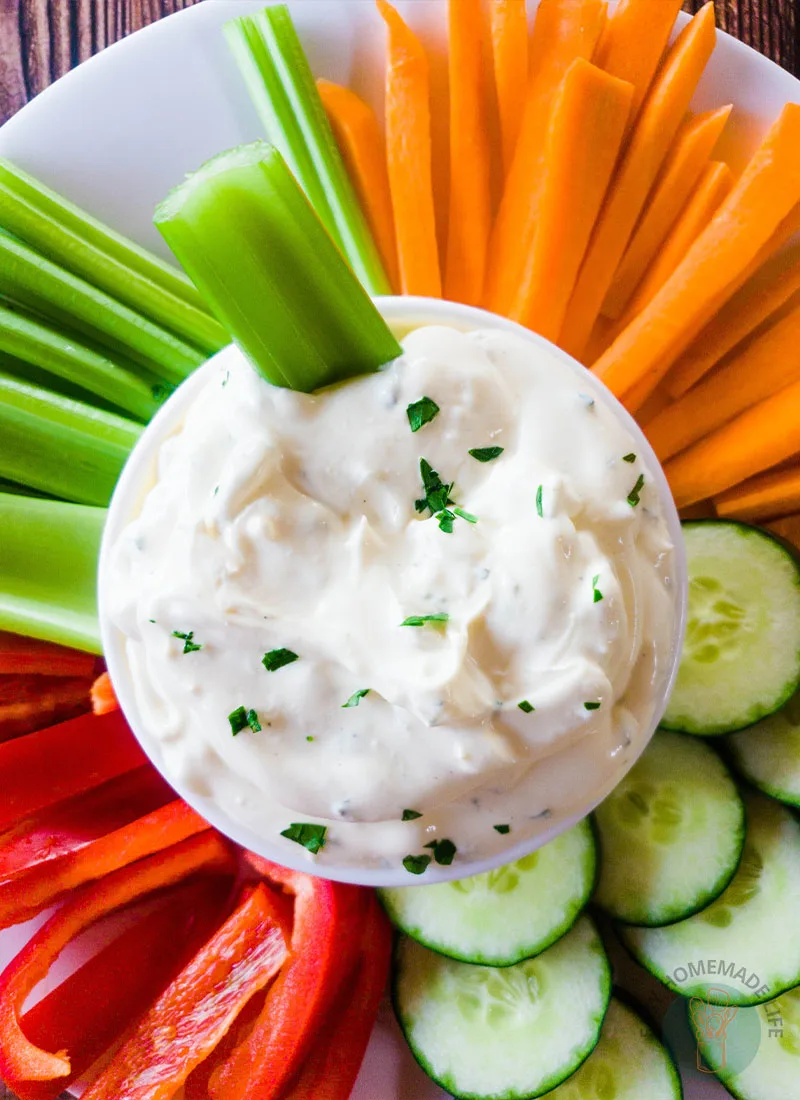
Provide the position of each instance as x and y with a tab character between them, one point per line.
40	40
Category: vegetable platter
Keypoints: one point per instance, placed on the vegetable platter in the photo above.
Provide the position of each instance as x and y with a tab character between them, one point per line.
676	254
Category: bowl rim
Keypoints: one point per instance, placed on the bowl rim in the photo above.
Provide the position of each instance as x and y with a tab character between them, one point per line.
126	500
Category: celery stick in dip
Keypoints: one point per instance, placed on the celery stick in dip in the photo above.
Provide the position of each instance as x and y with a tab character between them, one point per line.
417	604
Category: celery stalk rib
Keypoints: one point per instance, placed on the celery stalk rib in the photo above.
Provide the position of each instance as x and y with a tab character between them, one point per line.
65	299
60	446
48	570
251	242
271	59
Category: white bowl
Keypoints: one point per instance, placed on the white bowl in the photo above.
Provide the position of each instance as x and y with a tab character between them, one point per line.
138	477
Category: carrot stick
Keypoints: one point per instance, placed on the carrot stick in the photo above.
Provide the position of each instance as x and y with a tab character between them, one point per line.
588	124
634	41
509	26
650	141
787	527
682	170
104	698
762	437
759	208
361	144
759	300
470	214
408	151
766	496
764	367
564	31
30	656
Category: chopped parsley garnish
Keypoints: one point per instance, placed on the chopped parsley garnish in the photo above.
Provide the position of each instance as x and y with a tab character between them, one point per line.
596	593
416	865
633	495
189	646
253	722
446	520
629	457
437	494
238	720
309	738
420	620
468	516
502	829
526	706
539	510
486	454
277	658
356	698
592	706
443	851
410	815
312	837
421	413
227	378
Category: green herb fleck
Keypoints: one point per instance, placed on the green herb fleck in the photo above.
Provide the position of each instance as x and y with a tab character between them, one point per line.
421	413
188	645
410	815
539	510
443	851
592	706
468	516
437	494
253	722
446	520
629	457
633	495
421	620
277	658
416	865
227	378
526	706
356	698
151	620
238	720
486	454
312	837
596	593
309	738
502	829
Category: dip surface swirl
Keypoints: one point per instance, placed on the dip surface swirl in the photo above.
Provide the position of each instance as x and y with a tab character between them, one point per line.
300	527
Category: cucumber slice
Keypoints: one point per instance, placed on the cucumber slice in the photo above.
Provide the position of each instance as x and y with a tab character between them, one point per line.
628	1063
748	940
768	754
774	1072
671	834
741	656
505	915
484	1033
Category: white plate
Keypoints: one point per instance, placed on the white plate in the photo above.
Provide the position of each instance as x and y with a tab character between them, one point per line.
118	132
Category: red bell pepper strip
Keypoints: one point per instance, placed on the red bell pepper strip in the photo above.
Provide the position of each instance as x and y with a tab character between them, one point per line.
30	703
30	655
55	763
25	895
104	698
326	939
196	1085
331	1069
198	1008
90	1010
22	1060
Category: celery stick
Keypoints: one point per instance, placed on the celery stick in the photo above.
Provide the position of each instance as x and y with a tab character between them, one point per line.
66	299
248	237
271	59
48	570
69	237
46	348
61	446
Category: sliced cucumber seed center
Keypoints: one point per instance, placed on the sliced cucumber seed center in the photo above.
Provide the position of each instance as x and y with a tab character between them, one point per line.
502	880
497	998
787	1017
715	624
744	887
655	810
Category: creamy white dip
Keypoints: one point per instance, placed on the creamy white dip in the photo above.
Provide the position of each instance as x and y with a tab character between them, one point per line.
286	521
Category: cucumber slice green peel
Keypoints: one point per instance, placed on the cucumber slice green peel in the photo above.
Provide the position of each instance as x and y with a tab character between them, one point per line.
768	753
748	939
488	1033
671	833
505	915
741	656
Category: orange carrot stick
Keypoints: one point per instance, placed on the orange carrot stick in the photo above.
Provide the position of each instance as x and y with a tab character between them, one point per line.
787	527
104	697
564	31
758	209
758	301
776	493
634	41
360	141
470	195
408	151
763	436
588	124
764	367
650	140
509	25
682	170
